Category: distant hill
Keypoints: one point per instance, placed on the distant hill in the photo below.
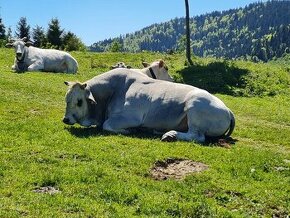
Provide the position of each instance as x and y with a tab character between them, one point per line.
259	31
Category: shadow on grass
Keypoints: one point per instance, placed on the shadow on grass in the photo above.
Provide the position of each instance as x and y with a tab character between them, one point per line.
82	132
143	133
216	77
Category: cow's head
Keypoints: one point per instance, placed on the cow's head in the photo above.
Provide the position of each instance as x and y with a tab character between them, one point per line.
159	70
79	103
19	46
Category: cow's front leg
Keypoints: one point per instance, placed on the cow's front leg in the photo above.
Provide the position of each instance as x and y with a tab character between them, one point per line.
14	66
37	66
184	136
120	124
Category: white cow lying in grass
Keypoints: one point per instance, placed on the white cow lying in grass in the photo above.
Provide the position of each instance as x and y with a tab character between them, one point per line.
29	58
122	99
155	70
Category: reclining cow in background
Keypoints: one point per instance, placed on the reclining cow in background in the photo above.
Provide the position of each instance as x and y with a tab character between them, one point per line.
155	70
122	99
120	65
29	58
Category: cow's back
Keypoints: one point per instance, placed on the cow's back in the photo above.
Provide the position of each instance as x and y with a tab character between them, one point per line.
53	60
155	102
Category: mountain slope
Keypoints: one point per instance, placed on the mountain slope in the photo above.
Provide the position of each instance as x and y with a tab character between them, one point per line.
259	31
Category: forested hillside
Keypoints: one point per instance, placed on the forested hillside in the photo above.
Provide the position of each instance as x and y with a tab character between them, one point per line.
260	31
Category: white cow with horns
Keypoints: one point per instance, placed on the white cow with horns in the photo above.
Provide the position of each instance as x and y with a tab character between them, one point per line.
155	70
29	58
122	99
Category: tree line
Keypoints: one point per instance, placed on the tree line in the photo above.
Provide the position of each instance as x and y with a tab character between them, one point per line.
259	31
54	37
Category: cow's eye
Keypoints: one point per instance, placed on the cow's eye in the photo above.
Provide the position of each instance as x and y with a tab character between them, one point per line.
166	68
80	102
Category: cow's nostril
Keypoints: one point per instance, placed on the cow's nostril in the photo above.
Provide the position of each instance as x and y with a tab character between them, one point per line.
65	120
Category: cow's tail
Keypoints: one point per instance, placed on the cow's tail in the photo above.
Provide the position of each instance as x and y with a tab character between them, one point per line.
232	125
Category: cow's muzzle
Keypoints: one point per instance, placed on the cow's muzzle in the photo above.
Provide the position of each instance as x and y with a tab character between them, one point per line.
66	121
18	55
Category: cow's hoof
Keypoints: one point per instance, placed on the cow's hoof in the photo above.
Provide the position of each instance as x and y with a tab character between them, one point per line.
169	137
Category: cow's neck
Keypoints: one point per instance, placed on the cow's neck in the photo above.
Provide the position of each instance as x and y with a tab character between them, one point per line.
96	114
152	73
98	111
100	89
149	72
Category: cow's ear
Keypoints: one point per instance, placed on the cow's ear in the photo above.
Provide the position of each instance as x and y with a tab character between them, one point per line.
11	40
161	63
91	98
129	67
9	45
83	86
24	39
68	83
28	43
145	64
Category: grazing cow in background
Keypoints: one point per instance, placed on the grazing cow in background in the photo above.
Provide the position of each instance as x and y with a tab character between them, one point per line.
120	65
122	99
29	58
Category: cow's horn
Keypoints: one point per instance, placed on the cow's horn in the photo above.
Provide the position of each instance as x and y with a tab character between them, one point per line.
24	39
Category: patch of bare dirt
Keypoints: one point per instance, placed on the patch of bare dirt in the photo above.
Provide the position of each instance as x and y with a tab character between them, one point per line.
176	168
221	142
47	190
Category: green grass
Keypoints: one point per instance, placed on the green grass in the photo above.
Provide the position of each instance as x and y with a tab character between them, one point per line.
105	175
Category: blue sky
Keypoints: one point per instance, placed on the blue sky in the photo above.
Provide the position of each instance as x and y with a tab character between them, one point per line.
94	20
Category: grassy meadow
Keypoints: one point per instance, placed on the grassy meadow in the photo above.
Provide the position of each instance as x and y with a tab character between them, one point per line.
96	174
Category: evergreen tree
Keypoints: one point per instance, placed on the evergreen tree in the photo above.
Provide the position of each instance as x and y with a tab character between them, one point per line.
2	34
115	46
54	33
2	30
38	36
9	33
22	29
71	42
181	44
